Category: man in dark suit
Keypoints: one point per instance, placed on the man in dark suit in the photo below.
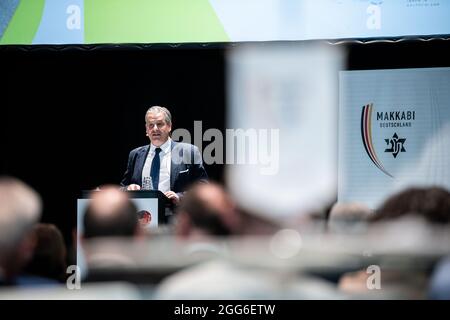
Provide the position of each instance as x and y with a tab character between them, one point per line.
165	165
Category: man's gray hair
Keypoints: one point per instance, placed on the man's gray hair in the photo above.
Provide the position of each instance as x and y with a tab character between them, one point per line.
158	109
20	209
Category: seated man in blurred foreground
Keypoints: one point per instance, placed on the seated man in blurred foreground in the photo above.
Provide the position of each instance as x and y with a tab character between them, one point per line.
20	209
110	214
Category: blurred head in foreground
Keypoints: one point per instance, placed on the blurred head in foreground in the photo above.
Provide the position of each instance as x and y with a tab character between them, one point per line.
20	209
49	258
110	214
207	210
432	203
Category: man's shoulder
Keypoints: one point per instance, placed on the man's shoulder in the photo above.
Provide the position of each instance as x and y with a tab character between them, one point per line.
183	145
139	149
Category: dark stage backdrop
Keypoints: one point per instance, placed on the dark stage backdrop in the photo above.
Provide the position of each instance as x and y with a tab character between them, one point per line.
71	114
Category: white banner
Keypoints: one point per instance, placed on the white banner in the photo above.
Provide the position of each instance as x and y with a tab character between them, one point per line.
394	132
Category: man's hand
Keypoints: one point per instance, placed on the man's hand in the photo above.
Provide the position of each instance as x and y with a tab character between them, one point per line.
172	196
134	187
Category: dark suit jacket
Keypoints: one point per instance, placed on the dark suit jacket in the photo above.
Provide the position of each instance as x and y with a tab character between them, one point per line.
186	166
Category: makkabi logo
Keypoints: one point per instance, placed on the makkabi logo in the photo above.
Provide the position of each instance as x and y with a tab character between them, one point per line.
366	135
396	145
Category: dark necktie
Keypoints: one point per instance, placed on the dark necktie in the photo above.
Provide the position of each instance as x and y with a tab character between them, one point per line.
154	171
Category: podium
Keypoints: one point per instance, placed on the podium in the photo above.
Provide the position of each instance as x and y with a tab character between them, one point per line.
152	202
147	202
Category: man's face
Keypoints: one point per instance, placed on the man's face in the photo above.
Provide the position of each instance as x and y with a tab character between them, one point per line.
157	129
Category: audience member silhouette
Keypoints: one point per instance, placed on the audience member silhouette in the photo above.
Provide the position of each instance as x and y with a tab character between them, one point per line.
20	209
432	203
110	214
207	210
49	258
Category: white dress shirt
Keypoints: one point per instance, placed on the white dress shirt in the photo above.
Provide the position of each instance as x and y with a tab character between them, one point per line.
164	169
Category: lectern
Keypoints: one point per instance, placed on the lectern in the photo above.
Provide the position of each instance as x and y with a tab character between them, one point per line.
152	202
152	206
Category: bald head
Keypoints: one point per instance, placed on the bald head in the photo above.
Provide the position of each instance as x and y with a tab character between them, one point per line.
20	209
110	213
432	203
209	208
